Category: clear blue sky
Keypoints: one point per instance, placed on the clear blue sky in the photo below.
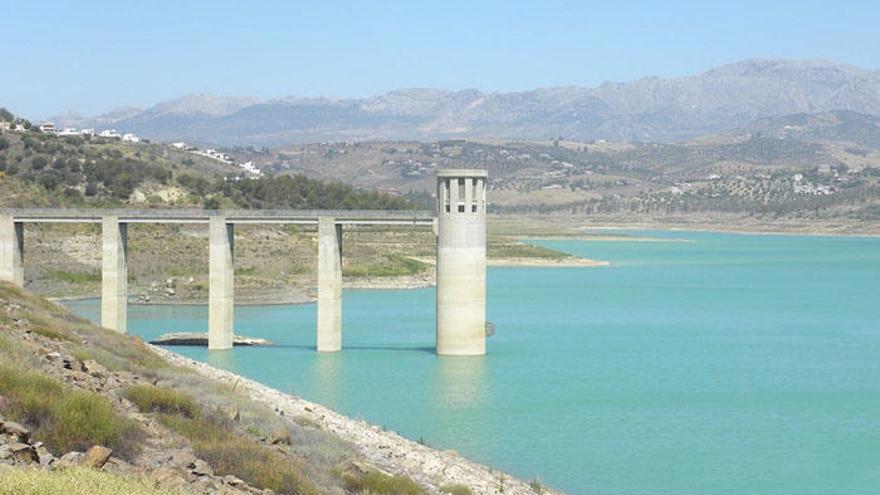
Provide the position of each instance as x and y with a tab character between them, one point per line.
92	56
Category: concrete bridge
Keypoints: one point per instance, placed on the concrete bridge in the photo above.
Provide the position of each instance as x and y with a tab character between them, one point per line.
460	227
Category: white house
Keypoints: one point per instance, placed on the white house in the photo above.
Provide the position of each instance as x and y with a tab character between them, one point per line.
130	138
47	127
109	133
68	131
87	132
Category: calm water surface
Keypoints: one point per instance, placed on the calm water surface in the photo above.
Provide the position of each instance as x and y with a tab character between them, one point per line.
727	364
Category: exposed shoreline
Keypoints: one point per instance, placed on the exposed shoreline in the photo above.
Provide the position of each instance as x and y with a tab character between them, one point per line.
800	230
385	449
285	297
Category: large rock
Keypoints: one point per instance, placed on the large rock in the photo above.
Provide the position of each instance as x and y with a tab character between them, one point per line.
200	468
20	452
95	457
92	367
168	478
201	339
68	460
16	430
279	437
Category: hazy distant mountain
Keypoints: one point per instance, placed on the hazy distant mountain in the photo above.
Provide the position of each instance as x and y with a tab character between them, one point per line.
839	125
190	108
649	109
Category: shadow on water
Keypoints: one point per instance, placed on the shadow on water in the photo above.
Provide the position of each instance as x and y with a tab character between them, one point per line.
427	349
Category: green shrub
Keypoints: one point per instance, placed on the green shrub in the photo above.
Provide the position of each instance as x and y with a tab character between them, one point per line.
83	419
536	486
75	277
150	398
74	481
380	483
390	265
33	397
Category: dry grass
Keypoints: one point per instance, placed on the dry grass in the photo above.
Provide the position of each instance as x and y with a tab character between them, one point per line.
75	481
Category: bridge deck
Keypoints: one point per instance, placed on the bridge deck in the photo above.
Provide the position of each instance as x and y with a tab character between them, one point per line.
86	215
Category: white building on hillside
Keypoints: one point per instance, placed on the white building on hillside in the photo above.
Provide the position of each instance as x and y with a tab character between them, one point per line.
47	127
130	138
109	133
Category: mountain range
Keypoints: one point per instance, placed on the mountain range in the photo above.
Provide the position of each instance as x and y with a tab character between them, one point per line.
758	94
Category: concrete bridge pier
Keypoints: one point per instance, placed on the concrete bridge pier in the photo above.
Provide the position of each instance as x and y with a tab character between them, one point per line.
114	274
329	285
221	277
461	262
11	250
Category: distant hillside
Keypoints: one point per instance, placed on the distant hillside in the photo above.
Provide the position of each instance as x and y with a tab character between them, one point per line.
751	175
841	125
44	169
649	109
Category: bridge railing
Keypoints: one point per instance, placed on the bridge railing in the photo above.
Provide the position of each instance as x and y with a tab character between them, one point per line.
163	215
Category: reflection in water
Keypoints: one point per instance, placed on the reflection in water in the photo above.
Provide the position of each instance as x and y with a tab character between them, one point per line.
461	387
326	378
460	382
225	359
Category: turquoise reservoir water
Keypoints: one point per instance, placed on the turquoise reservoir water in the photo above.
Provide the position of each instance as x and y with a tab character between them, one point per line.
729	364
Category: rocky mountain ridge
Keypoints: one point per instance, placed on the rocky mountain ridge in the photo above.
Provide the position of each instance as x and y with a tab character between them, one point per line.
648	109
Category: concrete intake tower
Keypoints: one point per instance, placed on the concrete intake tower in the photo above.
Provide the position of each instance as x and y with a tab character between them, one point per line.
461	262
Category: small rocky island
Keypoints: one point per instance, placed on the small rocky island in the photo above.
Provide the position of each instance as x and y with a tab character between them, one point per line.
201	338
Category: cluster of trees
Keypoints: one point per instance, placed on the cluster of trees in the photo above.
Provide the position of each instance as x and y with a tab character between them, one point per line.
289	192
58	164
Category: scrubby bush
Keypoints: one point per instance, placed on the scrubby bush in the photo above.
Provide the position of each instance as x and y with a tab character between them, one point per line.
83	419
232	453
456	489
214	440
150	398
380	483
